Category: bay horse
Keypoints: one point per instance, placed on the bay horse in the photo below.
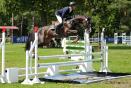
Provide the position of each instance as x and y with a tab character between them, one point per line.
46	34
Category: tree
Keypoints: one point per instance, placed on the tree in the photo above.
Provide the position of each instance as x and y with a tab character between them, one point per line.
111	14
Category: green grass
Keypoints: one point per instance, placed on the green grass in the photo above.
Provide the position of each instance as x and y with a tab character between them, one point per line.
119	61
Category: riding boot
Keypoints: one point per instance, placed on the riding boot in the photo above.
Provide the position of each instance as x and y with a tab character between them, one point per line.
59	28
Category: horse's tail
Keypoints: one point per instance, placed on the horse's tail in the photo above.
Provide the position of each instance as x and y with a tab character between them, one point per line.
28	42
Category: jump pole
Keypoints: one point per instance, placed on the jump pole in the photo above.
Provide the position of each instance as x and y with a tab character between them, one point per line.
3	77
27	80
130	38
115	38
3	57
88	51
104	49
36	79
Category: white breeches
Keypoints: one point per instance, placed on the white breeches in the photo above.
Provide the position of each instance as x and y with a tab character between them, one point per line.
59	18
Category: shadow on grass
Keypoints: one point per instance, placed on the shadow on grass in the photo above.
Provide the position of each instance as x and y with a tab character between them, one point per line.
101	76
92	77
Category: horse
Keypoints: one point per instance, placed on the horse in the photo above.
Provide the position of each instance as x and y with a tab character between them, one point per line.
46	34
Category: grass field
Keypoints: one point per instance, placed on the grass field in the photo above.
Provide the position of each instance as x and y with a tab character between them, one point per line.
119	61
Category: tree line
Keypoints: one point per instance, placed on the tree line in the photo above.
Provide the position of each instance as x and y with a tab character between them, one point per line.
113	15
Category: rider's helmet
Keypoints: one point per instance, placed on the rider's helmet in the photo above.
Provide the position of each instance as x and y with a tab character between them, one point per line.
72	4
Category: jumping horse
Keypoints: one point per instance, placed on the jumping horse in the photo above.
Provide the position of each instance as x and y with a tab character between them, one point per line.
72	26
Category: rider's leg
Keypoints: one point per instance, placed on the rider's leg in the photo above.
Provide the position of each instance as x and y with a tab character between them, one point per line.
60	26
59	18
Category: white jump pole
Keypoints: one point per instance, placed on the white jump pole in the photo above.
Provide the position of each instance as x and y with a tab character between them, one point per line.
30	60
3	57
115	38
102	49
27	80
106	60
3	78
130	39
63	43
103	41
104	64
104	53
88	51
36	79
123	38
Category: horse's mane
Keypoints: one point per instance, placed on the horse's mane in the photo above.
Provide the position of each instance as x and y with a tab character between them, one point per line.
78	19
82	17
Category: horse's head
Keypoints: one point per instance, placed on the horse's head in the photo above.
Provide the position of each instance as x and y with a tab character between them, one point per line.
81	22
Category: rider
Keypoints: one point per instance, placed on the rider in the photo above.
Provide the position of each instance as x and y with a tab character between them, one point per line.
65	13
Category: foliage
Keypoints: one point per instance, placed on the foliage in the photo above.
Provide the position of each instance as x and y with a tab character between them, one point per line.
114	15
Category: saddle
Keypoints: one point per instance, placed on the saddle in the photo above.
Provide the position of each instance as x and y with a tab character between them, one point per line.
53	25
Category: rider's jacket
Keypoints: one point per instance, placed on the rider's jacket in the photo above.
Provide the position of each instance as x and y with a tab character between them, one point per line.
65	13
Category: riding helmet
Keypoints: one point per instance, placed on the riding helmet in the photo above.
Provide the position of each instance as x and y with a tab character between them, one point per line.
72	3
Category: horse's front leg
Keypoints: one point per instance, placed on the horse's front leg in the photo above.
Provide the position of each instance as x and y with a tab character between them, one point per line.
76	39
